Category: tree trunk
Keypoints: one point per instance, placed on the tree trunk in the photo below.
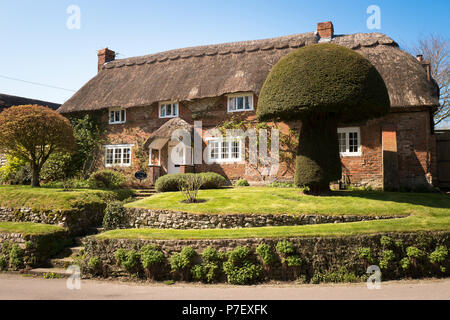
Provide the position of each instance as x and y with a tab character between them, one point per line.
318	161
35	173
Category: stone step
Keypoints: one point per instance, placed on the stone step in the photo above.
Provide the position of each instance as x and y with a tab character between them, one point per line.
61	262
58	272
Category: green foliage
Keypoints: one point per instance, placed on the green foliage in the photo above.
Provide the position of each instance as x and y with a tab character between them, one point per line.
15	171
180	262
414	252
293	261
285	247
151	256
95	265
318	162
115	216
173	181
439	255
281	184
386	242
323	79
205	272
129	260
387	257
68	184
341	275
242	183
239	268
106	179
266	254
365	253
88	138
405	264
3	262
210	254
16	257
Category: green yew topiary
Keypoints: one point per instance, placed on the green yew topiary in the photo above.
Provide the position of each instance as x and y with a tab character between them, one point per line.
321	85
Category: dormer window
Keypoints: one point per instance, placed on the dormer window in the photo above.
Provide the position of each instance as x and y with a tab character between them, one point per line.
117	115
240	102
168	109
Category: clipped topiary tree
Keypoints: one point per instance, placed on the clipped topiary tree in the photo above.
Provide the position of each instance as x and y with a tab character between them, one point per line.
322	85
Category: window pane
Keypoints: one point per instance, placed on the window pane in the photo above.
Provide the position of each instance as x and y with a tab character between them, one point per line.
109	156
117	116
169	110
122	114
235	150
353	141
247	102
126	155
225	150
163	110
342	142
111	116
117	156
231	104
240	103
214	149
175	109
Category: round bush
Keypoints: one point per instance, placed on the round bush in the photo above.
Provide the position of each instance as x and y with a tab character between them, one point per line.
242	183
106	179
172	182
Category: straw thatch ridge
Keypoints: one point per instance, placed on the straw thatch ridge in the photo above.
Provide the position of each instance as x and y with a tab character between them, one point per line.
167	129
214	70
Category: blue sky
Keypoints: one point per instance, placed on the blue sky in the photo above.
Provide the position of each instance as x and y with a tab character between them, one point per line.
37	46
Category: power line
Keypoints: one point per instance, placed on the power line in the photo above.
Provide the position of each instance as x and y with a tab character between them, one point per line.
36	83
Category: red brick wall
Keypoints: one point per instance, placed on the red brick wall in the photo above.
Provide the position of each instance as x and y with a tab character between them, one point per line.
415	144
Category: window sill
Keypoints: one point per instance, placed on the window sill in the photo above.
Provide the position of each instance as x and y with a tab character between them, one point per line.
350	155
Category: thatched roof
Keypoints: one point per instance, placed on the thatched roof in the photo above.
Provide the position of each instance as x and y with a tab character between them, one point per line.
164	133
214	70
7	101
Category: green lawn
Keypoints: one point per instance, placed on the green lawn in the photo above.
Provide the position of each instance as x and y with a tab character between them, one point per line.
265	200
28	228
52	199
427	211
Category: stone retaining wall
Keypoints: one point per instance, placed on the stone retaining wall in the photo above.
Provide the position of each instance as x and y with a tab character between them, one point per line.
37	248
164	219
77	220
318	254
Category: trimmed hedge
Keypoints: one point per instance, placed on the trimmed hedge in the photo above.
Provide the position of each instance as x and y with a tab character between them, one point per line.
106	179
171	182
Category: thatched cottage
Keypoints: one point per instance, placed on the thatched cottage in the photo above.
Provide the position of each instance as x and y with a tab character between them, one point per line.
142	100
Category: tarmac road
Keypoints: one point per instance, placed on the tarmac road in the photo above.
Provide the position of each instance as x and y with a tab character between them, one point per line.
14	286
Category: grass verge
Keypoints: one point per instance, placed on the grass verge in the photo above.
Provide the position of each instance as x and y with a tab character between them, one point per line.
28	228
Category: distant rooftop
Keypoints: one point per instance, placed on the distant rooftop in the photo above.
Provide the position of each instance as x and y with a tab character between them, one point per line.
7	101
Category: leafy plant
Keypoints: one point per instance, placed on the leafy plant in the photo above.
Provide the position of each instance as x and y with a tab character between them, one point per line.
16	257
387	257
95	265
239	268
173	181
189	187
438	257
242	183
181	262
3	262
365	254
266	254
152	259
115	216
285	247
386	242
106	179
129	260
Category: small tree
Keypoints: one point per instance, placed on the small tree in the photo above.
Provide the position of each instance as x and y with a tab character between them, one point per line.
190	185
32	133
322	85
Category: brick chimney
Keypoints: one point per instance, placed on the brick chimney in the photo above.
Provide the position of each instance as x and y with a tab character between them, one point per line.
425	64
104	56
325	29
419	57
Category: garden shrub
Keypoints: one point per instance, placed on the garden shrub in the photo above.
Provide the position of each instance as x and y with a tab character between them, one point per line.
180	262
281	184
95	265
16	257
387	257
209	270
239	267
285	247
293	261
152	260
129	260
115	216
15	171
3	262
106	179
341	275
386	242
242	183
438	257
266	254
365	254
288	258
173	181
189	187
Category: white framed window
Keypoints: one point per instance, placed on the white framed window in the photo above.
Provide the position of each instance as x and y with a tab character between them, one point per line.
224	150
117	115
118	155
240	102
349	141
2	161
168	109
